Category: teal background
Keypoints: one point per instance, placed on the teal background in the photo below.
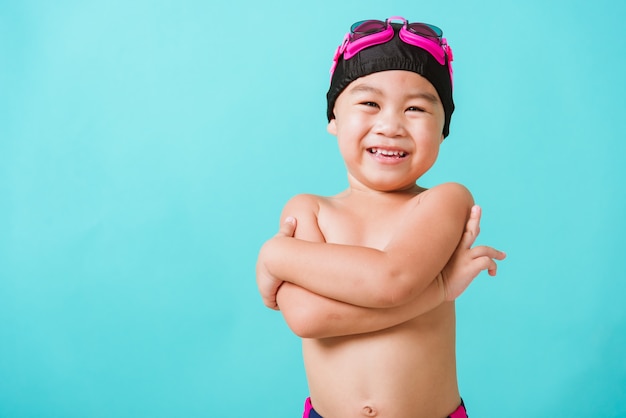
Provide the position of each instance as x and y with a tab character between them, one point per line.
147	148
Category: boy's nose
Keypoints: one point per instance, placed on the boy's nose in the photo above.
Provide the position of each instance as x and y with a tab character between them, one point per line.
390	125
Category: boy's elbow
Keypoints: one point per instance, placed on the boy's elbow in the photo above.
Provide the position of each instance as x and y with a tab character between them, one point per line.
397	296
303	315
306	332
397	290
302	322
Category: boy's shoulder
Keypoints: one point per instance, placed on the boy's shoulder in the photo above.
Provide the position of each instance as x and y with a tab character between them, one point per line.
447	191
446	199
303	206
304	201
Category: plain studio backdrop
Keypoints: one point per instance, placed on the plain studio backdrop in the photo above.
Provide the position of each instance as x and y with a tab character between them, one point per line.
147	149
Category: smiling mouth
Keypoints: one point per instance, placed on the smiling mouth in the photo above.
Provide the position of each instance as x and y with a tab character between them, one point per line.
386	153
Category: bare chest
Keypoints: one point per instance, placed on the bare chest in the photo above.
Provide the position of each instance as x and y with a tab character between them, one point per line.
367	225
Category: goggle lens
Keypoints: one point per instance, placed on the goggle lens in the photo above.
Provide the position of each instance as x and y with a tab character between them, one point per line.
366	27
424	29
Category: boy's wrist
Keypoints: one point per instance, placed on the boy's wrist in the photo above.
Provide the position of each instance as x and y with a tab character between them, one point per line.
269	252
277	257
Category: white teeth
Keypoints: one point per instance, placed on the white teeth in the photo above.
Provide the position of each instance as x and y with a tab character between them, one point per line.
388	153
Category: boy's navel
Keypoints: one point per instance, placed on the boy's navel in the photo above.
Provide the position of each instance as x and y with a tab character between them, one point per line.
369	411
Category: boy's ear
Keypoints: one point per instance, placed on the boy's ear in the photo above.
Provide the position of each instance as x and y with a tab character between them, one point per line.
442	138
332	127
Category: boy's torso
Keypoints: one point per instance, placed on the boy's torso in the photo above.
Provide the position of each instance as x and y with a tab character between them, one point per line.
405	371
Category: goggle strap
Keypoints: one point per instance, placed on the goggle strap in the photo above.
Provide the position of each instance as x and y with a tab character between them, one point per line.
340	50
400	18
434	48
353	47
448	49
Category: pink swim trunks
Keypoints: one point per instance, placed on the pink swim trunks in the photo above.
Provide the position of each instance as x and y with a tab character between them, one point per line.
309	412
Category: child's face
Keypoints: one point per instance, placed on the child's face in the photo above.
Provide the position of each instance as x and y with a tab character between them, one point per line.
389	127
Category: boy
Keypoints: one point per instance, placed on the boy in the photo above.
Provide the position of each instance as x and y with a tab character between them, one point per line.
368	277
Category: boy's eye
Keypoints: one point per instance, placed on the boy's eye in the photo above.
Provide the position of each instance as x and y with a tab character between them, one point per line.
416	109
370	104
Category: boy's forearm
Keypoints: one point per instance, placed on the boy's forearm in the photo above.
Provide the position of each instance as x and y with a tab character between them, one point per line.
312	316
356	275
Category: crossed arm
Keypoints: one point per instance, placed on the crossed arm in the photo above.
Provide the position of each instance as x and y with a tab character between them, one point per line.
350	298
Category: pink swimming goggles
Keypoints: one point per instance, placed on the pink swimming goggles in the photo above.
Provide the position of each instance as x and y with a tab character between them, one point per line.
368	33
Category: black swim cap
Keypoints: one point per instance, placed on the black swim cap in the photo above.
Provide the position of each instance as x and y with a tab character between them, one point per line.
393	55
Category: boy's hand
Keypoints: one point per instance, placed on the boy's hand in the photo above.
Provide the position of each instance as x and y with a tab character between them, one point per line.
466	262
267	283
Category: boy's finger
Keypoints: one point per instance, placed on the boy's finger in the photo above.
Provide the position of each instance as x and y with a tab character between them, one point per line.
486	263
472	228
485	251
474	219
288	227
